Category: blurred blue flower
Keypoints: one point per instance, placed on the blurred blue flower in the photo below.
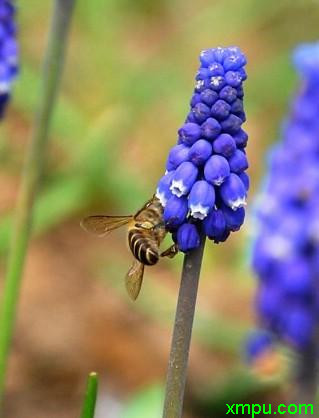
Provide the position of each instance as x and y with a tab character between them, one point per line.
201	184
286	245
8	51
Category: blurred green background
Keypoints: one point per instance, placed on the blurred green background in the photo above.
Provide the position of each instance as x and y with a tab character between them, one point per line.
128	80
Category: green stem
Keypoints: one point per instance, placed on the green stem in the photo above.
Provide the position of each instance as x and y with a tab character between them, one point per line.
178	361
90	396
35	154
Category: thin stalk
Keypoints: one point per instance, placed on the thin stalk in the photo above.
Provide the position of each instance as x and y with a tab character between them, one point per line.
90	396
178	361
306	375
31	176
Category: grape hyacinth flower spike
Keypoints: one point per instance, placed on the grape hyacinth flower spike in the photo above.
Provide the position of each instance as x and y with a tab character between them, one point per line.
207	167
286	246
8	51
204	189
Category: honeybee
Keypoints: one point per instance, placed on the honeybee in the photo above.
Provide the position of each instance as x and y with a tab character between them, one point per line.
146	231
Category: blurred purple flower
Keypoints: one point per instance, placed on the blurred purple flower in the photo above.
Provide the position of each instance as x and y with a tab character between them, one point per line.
8	51
286	245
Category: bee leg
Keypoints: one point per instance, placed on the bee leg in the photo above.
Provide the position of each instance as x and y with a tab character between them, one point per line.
170	252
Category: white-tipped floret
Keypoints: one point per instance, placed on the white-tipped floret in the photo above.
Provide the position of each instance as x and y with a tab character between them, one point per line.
161	197
238	203
178	188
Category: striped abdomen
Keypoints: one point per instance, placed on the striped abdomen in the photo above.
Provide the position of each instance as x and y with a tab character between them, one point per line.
143	246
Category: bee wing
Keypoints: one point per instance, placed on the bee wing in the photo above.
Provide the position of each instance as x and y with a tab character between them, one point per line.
134	279
102	224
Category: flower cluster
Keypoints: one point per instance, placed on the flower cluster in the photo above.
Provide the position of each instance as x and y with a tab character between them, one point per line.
205	178
286	248
8	51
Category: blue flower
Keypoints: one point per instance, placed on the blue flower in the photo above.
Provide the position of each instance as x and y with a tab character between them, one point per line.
220	110
203	165
241	138
189	133
238	161
216	170
225	145
210	128
298	326
229	94
234	218
245	179
176	156
215	226
175	211
201	112
8	52
286	244
200	152
183	178
232	124
208	97
201	199
187	237
233	192
163	192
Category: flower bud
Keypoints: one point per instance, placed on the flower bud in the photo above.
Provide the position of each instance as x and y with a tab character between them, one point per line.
245	179
201	112
200	152
196	98
233	78
241	138
189	133
225	145
210	129
232	124
238	162
207	57
202	74
220	54
243	74
216	170
208	97
234	62
189	119
237	107
177	155
175	211
220	110
215	225
187	237
228	93
217	82
201	199
233	192
163	192
234	218
216	69
183	179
